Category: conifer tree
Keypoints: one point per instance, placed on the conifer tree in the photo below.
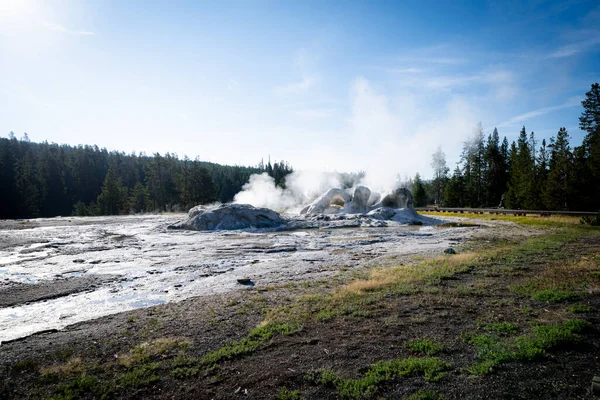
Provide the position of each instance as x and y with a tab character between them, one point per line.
113	197
589	154
520	185
556	192
418	192
454	193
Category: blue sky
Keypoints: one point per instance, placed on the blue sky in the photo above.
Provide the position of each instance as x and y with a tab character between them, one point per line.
346	86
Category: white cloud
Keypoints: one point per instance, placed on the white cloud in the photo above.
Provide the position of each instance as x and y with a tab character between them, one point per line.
62	29
572	102
575	48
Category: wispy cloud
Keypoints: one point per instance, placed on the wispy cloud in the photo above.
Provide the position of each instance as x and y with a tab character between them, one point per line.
62	29
572	102
437	60
308	78
575	48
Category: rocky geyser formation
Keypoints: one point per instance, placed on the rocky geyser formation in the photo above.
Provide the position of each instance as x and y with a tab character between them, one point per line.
229	217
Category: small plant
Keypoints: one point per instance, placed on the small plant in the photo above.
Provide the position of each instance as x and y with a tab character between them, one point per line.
423	394
140	376
500	328
325	315
83	386
286	394
426	346
233	302
491	351
256	338
553	295
580	308
146	351
380	373
184	372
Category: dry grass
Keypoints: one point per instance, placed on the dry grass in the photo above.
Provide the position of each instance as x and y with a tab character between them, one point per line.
428	271
531	219
572	275
157	347
72	366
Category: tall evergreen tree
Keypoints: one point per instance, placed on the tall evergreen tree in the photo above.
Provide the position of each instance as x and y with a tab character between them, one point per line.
418	192
113	197
29	186
556	192
541	175
495	178
589	154
454	193
140	199
520	187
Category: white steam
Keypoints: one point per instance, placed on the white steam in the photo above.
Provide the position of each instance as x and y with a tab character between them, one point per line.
301	188
389	136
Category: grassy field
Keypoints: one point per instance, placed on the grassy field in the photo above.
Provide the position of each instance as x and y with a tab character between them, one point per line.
506	317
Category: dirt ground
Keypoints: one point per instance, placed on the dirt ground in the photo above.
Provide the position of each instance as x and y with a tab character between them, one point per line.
160	352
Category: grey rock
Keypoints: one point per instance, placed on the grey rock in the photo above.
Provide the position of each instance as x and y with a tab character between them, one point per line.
229	217
324	203
360	200
398	198
450	250
382	213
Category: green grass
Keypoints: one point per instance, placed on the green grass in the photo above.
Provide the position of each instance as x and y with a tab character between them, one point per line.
553	295
426	346
424	394
500	328
379	374
531	220
580	308
81	387
325	315
255	339
491	351
184	372
146	351
286	394
140	376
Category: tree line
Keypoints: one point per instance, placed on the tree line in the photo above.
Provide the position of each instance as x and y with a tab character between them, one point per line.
524	174
47	179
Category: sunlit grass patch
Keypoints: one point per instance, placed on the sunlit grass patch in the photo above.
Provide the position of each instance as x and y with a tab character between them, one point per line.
255	339
560	281
287	394
491	350
531	219
72	366
426	346
500	328
140	376
378	374
431	271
